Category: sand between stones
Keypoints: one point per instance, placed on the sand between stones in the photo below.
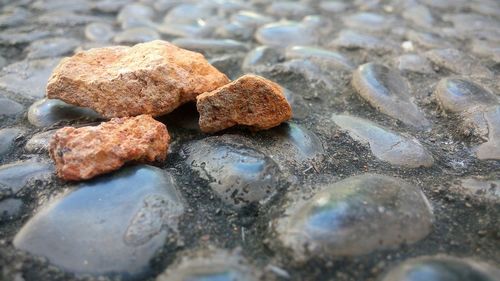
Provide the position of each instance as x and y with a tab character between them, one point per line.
149	79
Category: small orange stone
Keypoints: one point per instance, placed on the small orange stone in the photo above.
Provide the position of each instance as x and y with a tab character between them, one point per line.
250	100
149	78
82	153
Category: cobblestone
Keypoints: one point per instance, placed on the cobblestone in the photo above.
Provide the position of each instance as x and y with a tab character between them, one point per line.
388	169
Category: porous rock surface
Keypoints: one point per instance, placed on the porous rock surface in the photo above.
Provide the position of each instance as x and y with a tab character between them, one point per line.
82	153
250	100
150	78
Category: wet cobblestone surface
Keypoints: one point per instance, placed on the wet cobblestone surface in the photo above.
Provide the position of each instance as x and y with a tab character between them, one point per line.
389	169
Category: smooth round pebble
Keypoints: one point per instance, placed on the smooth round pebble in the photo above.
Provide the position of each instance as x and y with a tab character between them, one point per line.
39	142
385	144
285	33
7	138
238	174
15	176
414	63
9	107
210	265
318	55
387	91
52	47
99	32
28	78
459	94
46	112
442	268
10	209
123	219
136	35
356	216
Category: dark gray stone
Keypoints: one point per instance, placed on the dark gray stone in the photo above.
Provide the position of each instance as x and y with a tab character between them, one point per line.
135	15
319	56
212	265
52	47
443	268
111	225
251	19
289	10
10	209
387	91
99	32
458	62
16	16
136	35
39	142
28	78
7	138
210	45
286	33
350	39
385	144
238	174
368	21
46	112
9	107
419	15
414	63
354	217
15	176
459	94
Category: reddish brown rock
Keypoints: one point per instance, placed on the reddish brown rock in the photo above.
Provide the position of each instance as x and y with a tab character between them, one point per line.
82	153
150	78
250	100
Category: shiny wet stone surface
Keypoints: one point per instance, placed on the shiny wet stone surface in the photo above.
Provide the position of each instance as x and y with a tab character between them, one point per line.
356	216
111	225
238	174
442	268
46	112
388	170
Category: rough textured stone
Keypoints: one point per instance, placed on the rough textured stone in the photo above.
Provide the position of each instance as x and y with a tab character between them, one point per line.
356	216
250	100
82	153
151	78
